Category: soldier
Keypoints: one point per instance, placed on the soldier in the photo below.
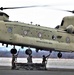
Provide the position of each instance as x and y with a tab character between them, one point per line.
44	59
13	61
29	59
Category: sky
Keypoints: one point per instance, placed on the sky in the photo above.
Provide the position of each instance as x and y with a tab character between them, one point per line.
44	16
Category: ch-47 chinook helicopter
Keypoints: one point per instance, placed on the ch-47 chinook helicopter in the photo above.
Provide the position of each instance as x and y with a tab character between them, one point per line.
59	39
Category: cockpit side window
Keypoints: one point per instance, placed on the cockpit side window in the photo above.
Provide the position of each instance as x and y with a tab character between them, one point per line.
62	22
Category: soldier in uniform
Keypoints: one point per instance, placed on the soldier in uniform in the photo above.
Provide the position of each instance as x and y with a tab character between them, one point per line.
13	61
44	60
29	59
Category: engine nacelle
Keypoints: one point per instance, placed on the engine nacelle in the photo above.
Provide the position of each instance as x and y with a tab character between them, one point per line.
13	51
70	29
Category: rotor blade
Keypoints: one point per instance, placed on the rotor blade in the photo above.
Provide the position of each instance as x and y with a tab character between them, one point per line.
64	10
67	10
3	8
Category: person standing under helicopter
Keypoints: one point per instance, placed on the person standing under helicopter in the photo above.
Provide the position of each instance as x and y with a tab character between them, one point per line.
44	60
14	59
29	59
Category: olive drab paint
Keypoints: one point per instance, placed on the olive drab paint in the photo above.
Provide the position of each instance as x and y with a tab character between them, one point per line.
60	38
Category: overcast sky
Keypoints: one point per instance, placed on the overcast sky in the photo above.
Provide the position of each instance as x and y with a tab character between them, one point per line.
45	16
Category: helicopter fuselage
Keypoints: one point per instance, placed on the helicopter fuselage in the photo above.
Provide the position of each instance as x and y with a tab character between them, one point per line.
44	38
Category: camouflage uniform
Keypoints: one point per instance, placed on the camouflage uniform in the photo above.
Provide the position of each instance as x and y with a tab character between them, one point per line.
29	59
13	61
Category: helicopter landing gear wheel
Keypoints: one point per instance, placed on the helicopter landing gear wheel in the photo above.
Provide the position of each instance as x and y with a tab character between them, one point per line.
13	51
28	51
59	55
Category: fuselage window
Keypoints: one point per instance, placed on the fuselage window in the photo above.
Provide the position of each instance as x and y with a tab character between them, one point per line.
9	29
25	32
67	40
62	22
53	37
39	34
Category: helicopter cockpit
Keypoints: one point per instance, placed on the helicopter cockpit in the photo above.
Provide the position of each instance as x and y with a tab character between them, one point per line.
67	24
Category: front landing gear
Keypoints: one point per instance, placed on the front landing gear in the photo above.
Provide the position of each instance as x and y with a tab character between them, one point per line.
14	57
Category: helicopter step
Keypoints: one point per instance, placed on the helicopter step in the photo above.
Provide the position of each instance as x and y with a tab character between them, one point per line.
30	66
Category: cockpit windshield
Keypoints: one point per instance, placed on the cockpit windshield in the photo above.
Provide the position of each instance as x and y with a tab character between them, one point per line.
62	22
